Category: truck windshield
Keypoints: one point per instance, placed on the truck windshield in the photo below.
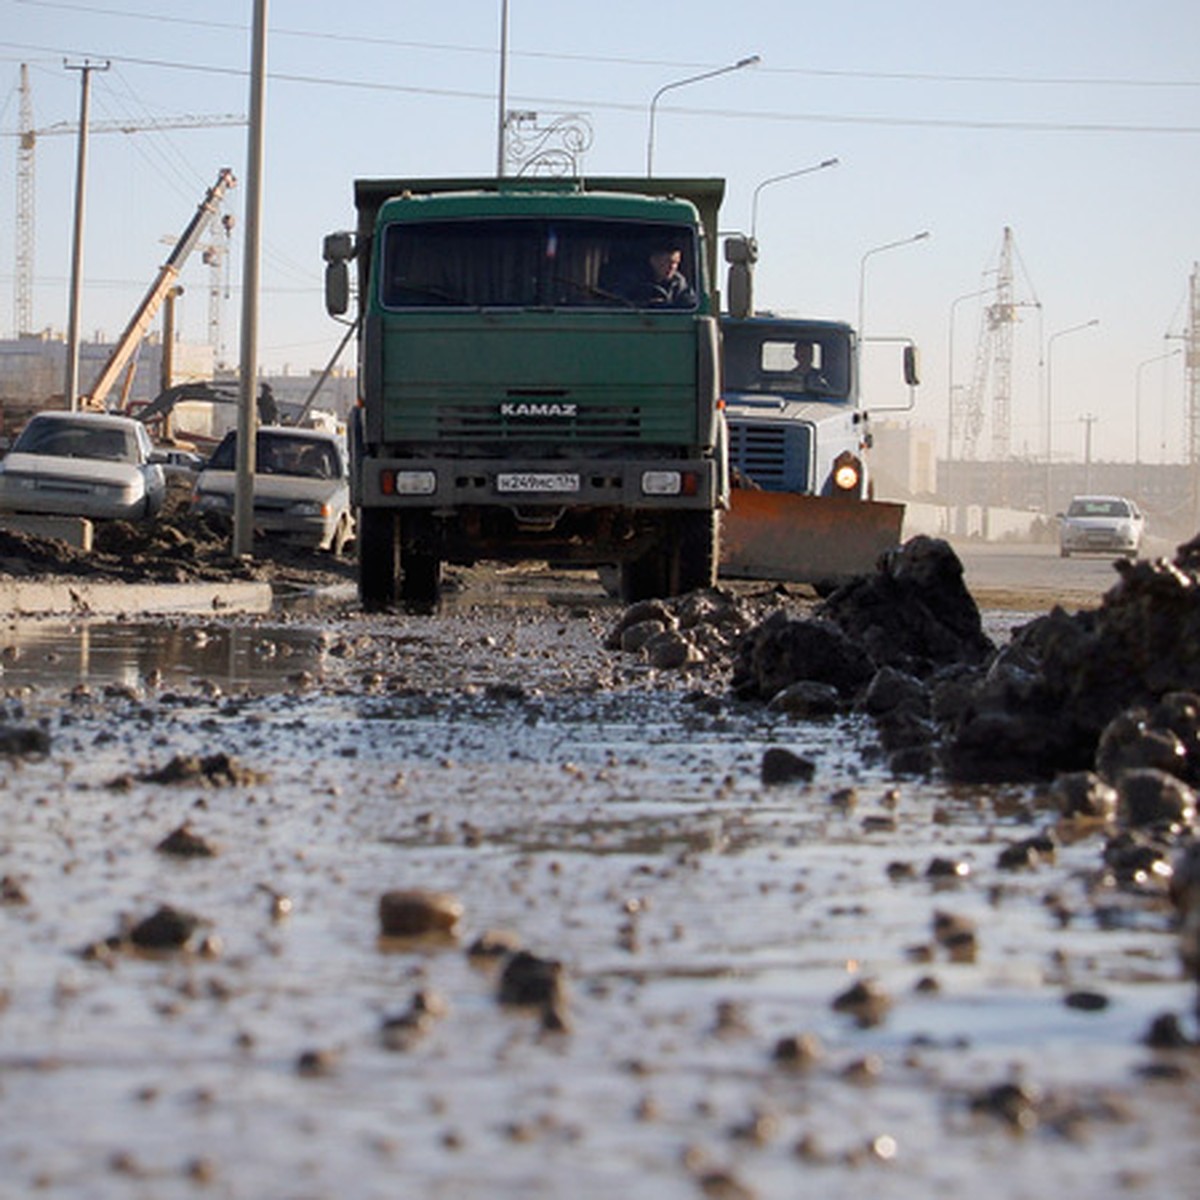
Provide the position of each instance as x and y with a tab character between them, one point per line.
797	360
538	263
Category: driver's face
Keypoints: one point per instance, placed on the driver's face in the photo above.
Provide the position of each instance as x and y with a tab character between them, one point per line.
664	263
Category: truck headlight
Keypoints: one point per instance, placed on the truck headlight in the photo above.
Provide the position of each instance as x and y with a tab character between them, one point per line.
847	473
408	483
662	483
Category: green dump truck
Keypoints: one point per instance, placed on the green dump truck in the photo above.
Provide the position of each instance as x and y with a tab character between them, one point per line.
530	387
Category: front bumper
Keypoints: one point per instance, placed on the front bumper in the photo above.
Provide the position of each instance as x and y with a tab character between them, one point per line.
523	485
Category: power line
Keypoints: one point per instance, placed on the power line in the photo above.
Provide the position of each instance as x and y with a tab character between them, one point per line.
1090	127
622	60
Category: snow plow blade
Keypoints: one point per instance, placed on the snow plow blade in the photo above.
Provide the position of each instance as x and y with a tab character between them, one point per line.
790	538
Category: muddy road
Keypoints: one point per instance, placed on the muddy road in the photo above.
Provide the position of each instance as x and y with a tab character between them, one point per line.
321	904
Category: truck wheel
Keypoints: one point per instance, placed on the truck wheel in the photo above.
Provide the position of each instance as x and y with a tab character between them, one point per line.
643	578
420	565
378	555
695	553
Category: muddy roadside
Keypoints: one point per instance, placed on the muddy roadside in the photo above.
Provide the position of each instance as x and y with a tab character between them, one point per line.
518	900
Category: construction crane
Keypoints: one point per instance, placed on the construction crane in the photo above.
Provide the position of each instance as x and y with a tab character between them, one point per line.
27	138
215	255
168	273
993	360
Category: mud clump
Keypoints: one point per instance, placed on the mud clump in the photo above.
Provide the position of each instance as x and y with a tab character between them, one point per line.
1044	704
211	770
417	912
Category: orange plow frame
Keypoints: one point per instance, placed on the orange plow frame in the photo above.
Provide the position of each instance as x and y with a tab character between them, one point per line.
790	538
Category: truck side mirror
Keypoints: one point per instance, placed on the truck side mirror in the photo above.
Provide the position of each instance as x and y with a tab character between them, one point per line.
912	365
337	249
337	288
741	253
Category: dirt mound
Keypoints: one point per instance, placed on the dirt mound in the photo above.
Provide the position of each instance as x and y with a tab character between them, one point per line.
179	547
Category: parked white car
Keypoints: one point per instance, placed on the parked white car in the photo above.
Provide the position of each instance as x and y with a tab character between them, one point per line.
1101	524
301	486
83	464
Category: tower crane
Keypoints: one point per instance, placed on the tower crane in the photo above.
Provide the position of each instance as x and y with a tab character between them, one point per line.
27	139
993	359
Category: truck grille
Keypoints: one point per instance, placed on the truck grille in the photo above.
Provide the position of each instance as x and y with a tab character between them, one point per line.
776	457
588	424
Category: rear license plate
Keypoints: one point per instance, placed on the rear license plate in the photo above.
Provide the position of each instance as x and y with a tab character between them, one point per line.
537	482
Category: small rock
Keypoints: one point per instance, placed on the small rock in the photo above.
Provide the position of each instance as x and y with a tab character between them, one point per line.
416	911
528	981
1084	794
27	741
186	843
167	928
798	1051
494	943
782	766
1149	796
807	699
865	1001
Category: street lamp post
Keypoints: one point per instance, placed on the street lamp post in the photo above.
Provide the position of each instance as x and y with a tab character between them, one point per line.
1137	416
1050	399
862	269
678	83
829	162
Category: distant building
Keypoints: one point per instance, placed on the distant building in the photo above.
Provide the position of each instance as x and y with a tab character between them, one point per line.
903	461
33	372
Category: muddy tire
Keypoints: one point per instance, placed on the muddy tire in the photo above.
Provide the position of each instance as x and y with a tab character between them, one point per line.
378	558
695	553
644	578
420	564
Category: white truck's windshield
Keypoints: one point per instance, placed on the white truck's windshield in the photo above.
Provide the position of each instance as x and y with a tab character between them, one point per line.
538	263
798	360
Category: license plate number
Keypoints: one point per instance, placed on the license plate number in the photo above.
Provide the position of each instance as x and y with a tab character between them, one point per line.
537	482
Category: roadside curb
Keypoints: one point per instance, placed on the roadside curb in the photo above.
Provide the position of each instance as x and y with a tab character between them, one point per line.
79	598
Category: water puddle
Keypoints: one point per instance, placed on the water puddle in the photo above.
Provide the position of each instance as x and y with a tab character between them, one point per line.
56	656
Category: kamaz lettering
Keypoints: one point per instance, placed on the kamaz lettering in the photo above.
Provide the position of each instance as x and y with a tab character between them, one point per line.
538	410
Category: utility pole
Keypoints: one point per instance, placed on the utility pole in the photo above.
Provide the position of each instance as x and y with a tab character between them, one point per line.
23	276
71	383
247	436
1088	421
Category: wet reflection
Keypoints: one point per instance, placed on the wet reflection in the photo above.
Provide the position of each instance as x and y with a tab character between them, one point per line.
59	655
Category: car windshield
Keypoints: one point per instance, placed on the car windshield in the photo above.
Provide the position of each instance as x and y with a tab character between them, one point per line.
537	263
283	454
812	360
76	439
1098	508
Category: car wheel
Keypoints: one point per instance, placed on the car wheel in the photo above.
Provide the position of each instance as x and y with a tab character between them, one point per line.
341	537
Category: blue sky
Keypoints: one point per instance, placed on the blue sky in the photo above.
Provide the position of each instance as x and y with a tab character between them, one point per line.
1077	126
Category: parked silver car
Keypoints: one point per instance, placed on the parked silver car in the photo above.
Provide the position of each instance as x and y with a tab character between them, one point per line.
301	486
1101	524
82	464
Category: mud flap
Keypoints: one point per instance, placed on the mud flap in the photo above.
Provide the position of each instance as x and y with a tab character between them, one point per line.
805	539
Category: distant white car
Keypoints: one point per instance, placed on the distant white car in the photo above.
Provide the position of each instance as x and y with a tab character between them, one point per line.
301	486
83	464
1101	524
